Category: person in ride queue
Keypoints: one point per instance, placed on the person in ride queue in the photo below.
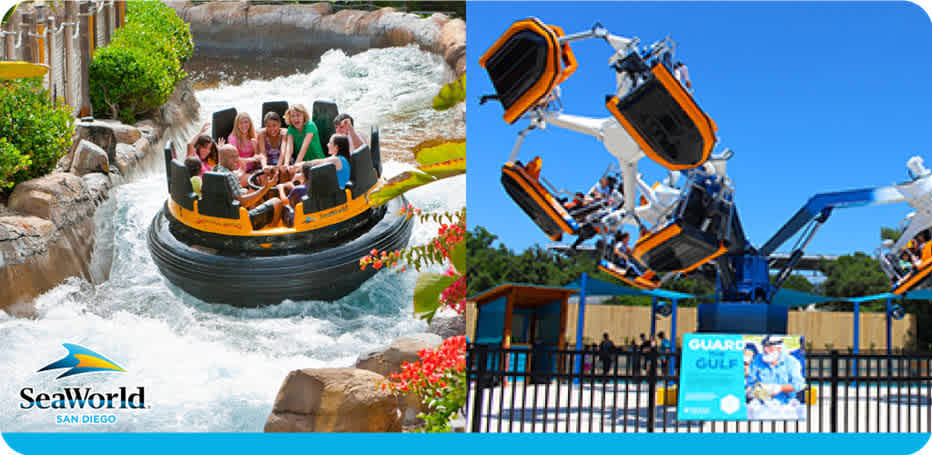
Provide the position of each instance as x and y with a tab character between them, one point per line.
204	148
344	125
261	215
193	164
270	139
243	138
302	142
681	73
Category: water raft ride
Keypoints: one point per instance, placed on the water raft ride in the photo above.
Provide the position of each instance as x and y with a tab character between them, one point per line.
207	246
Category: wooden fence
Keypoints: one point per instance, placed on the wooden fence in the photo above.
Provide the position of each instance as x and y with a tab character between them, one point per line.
63	38
824	330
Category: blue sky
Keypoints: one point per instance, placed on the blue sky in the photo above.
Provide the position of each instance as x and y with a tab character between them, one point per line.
811	97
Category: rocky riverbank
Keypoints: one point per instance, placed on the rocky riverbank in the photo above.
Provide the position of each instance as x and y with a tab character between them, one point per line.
231	28
47	226
351	399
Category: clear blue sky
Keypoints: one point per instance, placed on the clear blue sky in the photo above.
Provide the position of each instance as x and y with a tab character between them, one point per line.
811	97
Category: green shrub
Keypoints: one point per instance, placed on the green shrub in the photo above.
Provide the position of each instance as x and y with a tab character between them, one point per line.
33	133
129	81
161	19
11	163
137	72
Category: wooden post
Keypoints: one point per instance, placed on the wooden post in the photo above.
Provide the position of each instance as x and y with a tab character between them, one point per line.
55	65
86	24
105	11
9	39
28	45
69	67
111	19
121	13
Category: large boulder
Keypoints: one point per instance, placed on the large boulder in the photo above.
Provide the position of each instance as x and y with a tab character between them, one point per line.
453	45
99	132
61	198
387	361
334	400
447	323
88	157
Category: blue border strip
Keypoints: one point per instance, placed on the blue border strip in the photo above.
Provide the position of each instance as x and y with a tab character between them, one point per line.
138	443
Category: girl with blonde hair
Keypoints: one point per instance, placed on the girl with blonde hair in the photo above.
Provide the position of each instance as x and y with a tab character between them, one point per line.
243	138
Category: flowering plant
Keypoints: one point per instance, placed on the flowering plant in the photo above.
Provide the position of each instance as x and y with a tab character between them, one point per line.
432	290
439	379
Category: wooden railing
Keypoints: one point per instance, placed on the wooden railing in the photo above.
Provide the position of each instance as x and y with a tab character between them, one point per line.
63	38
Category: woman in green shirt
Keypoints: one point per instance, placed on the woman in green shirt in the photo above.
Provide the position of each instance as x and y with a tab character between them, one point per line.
303	142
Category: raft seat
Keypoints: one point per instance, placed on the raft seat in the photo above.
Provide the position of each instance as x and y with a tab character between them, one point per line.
322	114
376	151
217	197
325	192
221	123
180	187
363	175
521	183
647	280
279	107
664	119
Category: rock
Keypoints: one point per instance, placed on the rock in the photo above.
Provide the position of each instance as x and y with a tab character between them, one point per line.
403	349
61	198
334	400
22	237
88	157
228	13
99	132
98	186
127	157
385	362
125	134
447	323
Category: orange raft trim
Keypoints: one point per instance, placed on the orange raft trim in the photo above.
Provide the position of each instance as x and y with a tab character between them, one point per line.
243	228
551	75
552	207
704	124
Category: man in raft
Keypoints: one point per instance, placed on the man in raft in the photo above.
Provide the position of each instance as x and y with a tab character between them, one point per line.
261	215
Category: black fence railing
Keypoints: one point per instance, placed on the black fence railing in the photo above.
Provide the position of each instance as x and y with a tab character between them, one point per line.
543	390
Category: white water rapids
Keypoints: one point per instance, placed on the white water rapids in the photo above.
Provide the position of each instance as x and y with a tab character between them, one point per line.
214	367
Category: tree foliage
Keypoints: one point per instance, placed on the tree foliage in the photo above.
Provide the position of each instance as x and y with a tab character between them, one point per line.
853	275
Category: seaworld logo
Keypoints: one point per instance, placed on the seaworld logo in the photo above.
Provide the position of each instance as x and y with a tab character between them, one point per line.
81	360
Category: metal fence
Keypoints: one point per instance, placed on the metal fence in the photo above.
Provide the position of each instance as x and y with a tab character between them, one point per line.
541	390
64	38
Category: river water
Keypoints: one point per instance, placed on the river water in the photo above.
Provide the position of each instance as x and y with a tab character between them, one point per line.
211	367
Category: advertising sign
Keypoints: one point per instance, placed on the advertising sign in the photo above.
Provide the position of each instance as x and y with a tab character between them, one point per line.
742	377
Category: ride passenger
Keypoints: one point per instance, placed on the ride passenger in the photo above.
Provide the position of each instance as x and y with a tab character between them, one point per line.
339	150
204	147
193	163
261	215
344	125
302	142
681	73
622	255
270	139
243	138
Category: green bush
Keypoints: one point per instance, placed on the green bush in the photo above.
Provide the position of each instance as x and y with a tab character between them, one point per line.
11	163
137	72
161	19
128	81
33	133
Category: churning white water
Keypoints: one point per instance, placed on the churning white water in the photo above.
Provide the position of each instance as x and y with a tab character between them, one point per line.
211	367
